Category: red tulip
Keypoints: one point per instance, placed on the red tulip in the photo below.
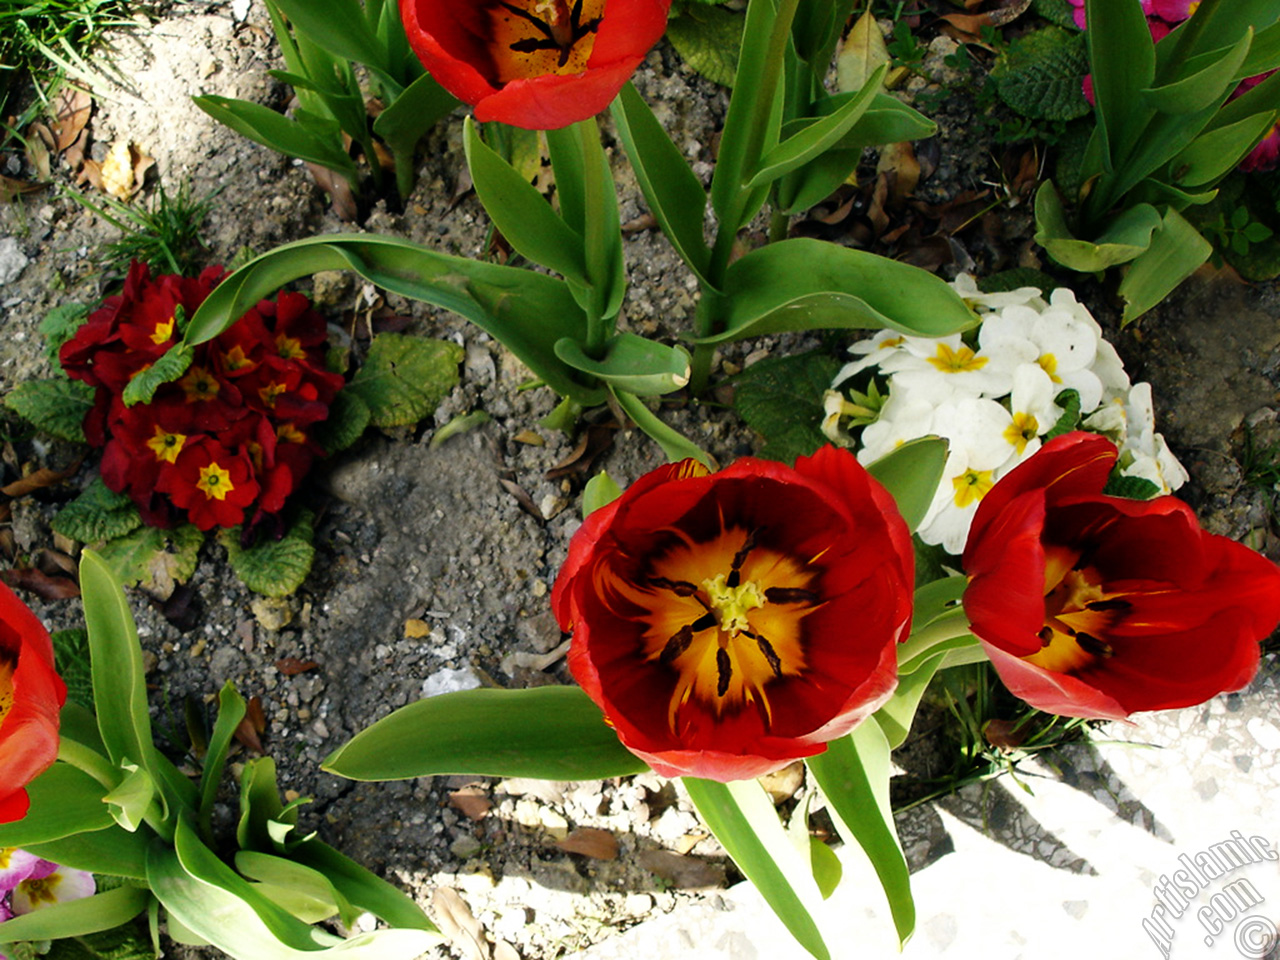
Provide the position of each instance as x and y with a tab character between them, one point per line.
31	695
1096	606
730	623
536	64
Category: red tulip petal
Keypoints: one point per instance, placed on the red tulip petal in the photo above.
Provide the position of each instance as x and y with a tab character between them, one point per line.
1058	693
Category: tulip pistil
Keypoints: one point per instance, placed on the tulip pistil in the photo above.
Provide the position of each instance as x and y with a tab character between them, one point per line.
1078	613
7	665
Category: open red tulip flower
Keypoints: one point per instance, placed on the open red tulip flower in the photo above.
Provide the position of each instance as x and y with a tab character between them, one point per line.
1097	606
730	623
536	64
31	696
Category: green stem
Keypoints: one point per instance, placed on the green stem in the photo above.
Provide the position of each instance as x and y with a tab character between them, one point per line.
595	245
779	226
88	761
949	626
674	444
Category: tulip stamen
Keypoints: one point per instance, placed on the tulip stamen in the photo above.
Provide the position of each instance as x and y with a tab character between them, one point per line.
790	595
681	588
724	671
677	645
557	34
766	649
1114	605
739	558
1091	644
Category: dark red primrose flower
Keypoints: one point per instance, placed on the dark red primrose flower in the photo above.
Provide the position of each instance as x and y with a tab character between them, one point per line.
1097	606
730	623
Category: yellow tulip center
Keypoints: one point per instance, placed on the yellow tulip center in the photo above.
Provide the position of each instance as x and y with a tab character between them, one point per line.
532	38
215	483
7	665
726	617
1078	612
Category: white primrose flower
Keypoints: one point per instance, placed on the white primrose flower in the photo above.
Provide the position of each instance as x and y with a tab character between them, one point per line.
967	287
1063	344
948	366
906	415
1032	412
978	455
874	349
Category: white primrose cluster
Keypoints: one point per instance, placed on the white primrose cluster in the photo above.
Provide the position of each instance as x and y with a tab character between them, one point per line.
995	404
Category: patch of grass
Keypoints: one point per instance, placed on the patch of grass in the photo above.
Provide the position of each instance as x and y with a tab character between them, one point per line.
36	35
987	731
165	234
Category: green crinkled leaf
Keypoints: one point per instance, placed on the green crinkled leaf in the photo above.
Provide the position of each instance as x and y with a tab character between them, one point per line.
708	37
1131	488
274	568
1041	74
170	366
1055	11
60	325
781	398
126	942
57	406
1069	401
97	514
404	378
150	557
71	657
347	420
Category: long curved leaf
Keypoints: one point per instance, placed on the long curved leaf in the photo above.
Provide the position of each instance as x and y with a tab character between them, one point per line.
743	819
75	918
911	474
114	850
804	284
854	775
553	733
318	141
632	363
64	801
528	312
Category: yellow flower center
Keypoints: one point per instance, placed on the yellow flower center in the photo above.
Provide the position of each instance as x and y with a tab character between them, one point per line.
1078	612
162	332
1049	364
44	890
532	38
726	636
957	361
1021	432
235	359
199	384
215	483
166	446
971	486
289	433
270	392
290	348
7	665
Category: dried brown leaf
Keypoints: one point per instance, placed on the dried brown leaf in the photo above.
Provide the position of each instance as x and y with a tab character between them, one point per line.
252	726
38	480
340	196
684	873
71	109
591	842
11	188
457	922
472	802
522	498
595	440
40	583
292	666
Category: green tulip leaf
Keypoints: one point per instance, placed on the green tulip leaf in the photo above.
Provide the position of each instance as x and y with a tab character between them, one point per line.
130	801
76	918
1126	237
231	710
1123	63
552	733
674	194
911	474
674	444
1215	153
259	805
1176	252
97	514
854	773
64	801
304	892
112	851
521	213
317	141
742	817
528	312
404	378
804	284
57	406
209	899
339	27
408	117
600	491
1202	81
362	889
632	363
